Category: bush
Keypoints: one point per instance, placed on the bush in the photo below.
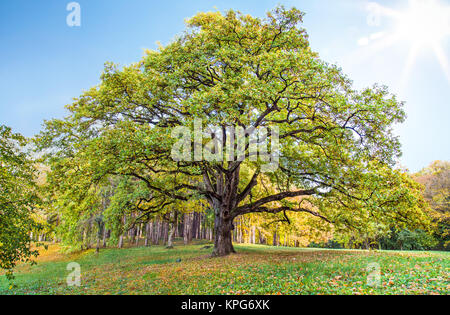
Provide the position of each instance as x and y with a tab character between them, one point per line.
409	240
333	244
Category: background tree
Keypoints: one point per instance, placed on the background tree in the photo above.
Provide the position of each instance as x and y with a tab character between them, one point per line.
336	144
436	179
18	201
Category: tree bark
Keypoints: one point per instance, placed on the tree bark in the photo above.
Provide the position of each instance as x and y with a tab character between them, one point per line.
253	241
148	234
194	226
172	227
137	235
261	237
186	231
97	247
155	232
165	232
223	228
132	235
105	236
120	245
191	228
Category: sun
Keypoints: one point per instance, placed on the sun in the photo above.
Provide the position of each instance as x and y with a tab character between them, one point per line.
425	22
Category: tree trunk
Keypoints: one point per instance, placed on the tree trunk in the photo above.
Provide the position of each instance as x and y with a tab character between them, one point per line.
137	237
105	236
172	227
190	228
261	237
186	228
155	232
165	232
120	241
253	236
170	237
203	227
223	227
176	229
148	234
132	233
193	227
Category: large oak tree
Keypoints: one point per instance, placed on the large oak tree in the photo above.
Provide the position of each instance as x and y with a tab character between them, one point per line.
337	149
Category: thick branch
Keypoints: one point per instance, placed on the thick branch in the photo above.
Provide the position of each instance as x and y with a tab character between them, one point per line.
284	209
253	182
249	208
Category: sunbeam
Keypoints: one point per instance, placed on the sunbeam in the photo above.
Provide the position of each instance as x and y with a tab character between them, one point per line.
424	24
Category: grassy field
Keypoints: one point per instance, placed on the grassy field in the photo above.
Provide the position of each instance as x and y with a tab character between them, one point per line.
254	270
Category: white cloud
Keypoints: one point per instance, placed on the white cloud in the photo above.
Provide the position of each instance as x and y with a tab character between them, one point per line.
364	41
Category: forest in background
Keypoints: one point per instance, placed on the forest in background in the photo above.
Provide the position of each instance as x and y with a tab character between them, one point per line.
102	226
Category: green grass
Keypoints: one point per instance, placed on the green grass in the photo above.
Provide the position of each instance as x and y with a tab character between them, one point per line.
254	270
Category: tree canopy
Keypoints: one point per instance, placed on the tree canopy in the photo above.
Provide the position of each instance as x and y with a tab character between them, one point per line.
18	200
336	154
436	179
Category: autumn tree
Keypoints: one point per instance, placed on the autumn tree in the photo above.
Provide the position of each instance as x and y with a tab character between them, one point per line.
436	180
336	146
18	201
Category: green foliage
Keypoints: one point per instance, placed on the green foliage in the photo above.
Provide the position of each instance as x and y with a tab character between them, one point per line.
443	234
332	244
409	240
18	201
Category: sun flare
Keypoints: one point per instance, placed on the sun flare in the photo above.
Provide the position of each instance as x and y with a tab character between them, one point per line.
424	22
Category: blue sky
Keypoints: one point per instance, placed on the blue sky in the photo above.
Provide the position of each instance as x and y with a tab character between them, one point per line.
45	63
